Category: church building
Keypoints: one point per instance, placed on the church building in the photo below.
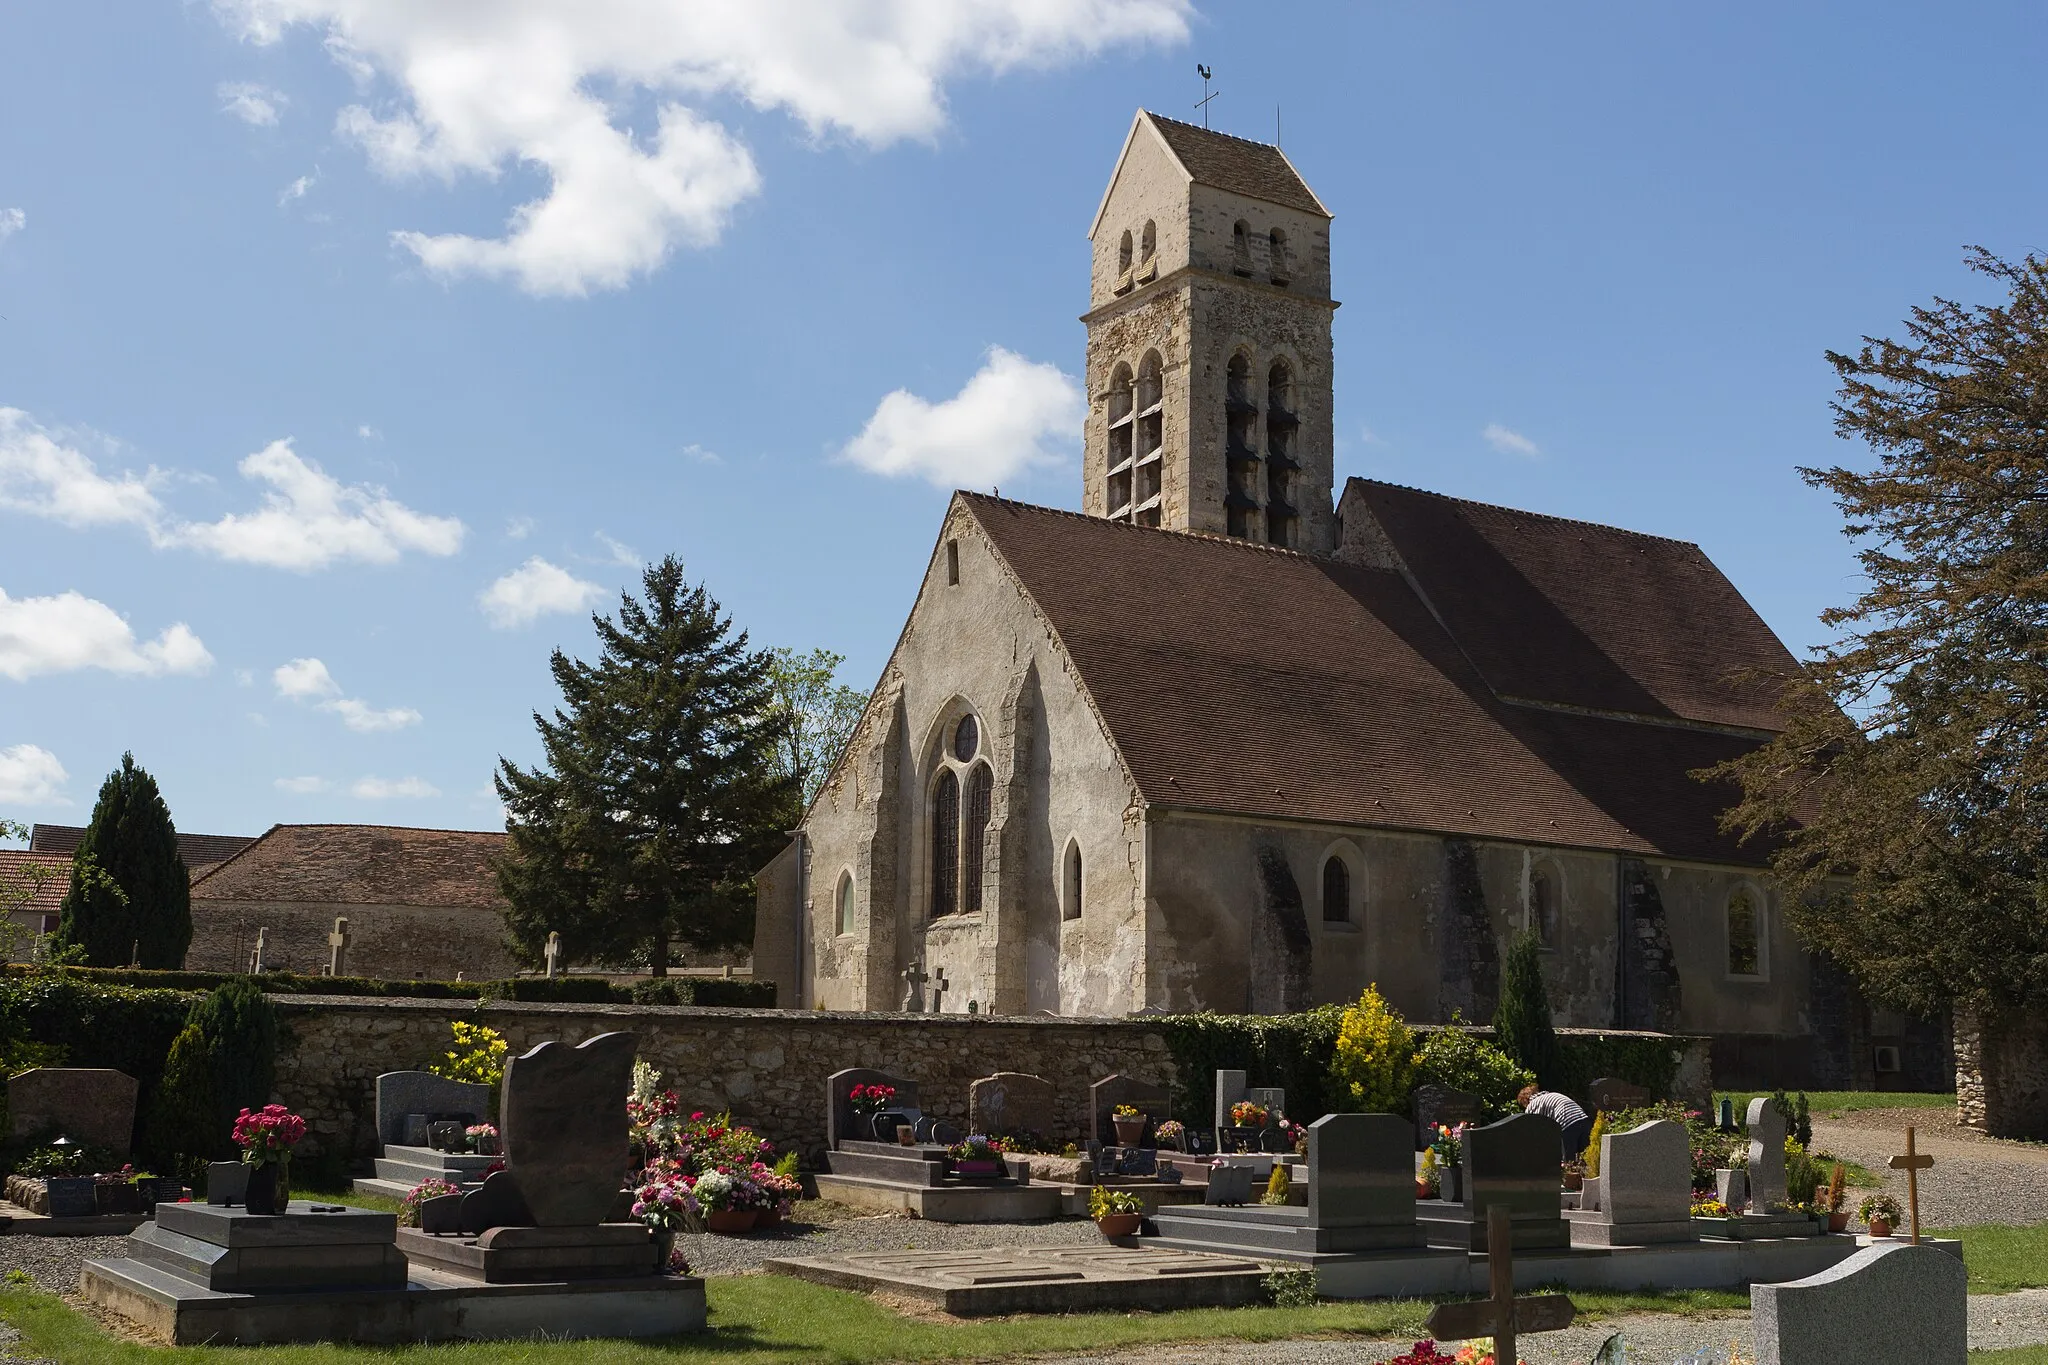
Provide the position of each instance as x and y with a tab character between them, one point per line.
1233	739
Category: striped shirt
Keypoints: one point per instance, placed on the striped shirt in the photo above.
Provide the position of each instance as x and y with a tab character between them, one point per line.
1563	1109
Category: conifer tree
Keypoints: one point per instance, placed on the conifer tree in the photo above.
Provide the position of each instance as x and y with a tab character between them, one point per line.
1521	1026
130	897
661	793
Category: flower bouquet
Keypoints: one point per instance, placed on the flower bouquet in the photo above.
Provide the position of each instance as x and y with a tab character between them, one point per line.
481	1138
979	1157
871	1099
1245	1114
266	1138
1172	1133
433	1187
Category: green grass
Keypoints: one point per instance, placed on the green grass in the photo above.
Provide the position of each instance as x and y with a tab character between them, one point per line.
2017	1355
769	1320
355	1199
2002	1258
1834	1103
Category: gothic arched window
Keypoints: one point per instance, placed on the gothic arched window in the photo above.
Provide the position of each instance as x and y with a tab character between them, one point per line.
1276	257
980	793
1123	255
1148	247
1745	933
1151	432
1336	890
1117	496
1240	453
1070	877
844	906
1281	426
945	844
1241	248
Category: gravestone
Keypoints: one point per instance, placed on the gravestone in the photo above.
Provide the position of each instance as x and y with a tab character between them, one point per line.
1510	1164
1109	1092
1766	1155
840	1124
1230	1088
1889	1304
1609	1095
1271	1098
1645	1188
1011	1102
1442	1104
564	1129
71	1196
1361	1171
227	1182
402	1095
1731	1187
92	1106
1228	1185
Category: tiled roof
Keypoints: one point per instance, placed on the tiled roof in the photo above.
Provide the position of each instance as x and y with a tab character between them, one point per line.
49	891
1577	614
198	850
361	865
1256	170
1263	682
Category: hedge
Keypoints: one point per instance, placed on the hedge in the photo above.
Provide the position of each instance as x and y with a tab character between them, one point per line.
579	990
273	983
121	1027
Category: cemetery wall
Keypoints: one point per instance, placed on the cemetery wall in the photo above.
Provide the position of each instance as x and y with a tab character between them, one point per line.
767	1066
400	942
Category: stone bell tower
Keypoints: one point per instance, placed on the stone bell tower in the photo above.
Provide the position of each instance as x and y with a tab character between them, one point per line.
1209	362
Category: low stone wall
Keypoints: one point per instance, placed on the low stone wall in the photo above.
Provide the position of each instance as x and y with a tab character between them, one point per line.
767	1066
2002	1073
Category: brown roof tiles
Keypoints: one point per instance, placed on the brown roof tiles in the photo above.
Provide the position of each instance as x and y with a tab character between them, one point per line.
48	889
198	850
361	865
1256	170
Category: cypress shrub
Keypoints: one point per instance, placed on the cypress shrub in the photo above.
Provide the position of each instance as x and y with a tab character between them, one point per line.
180	1126
1521	1026
130	898
240	1030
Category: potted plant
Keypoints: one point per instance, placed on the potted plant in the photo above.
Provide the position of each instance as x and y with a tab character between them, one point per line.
1170	1134
725	1204
481	1138
1428	1177
1130	1125
1830	1198
266	1138
1245	1114
1574	1173
665	1204
868	1101
1882	1213
977	1157
1449	1147
1117	1213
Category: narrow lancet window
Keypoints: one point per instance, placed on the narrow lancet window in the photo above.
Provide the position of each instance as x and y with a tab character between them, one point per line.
980	791
1336	891
945	845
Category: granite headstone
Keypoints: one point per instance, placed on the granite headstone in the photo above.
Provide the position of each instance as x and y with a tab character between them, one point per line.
565	1127
1889	1304
1011	1102
1766	1155
1361	1171
1609	1094
1442	1104
1230	1088
1645	1185
403	1094
1514	1162
841	1122
71	1196
1106	1094
92	1106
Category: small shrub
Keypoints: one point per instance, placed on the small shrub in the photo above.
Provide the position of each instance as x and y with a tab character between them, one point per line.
1374	1066
560	990
1881	1206
1290	1288
1104	1202
1521	1024
1592	1153
1465	1061
1278	1185
478	1055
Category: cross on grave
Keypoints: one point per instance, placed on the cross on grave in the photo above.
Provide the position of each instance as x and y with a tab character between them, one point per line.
553	954
1912	1163
914	977
337	947
1501	1315
939	987
256	958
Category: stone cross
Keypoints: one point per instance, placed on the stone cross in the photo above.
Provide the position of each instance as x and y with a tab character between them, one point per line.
1501	1315
1912	1163
256	958
554	954
939	987
1766	1155
914	977
337	947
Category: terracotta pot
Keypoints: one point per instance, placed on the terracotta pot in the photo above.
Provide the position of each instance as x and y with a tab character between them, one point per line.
1574	1180
1130	1132
767	1218
730	1220
1119	1224
1838	1222
1880	1227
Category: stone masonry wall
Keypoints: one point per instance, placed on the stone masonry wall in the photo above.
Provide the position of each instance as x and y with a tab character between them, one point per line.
768	1067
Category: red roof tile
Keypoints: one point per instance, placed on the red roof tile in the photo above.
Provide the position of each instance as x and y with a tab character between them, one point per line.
1257	170
48	891
361	865
198	850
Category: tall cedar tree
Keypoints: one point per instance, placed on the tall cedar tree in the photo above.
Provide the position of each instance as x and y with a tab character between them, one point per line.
1908	792
662	792
1521	1024
130	844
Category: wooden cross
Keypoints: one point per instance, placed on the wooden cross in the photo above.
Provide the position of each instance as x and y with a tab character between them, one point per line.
554	954
1501	1315
1912	1163
337	946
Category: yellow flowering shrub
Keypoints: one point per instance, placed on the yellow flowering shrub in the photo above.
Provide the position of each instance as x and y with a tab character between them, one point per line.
478	1055
1374	1064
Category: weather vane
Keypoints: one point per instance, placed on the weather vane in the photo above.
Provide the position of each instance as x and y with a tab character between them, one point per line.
1206	96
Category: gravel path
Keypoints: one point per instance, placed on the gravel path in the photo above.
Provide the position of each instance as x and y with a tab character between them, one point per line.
1974	1179
54	1262
713	1255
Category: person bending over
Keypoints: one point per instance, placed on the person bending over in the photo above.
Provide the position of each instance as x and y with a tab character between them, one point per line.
1564	1111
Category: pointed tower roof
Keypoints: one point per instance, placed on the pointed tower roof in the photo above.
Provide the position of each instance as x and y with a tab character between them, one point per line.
1256	170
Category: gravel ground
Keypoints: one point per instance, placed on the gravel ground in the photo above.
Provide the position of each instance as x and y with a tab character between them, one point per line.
1974	1179
713	1255
54	1262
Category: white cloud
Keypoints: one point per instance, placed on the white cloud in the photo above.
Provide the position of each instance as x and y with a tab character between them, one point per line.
1509	442
308	519
620	553
70	631
1011	416
301	786
533	590
381	788
369	433
518	528
31	776
251	102
245	677
11	222
297	189
693	451
551	84
307	680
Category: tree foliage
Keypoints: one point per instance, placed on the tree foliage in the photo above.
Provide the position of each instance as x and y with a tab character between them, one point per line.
140	910
1374	1065
662	789
1908	792
819	714
1522	1025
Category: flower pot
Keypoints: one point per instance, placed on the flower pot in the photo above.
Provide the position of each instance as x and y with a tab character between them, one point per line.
1130	1132
664	1240
767	1218
1574	1179
1880	1227
971	1169
1838	1222
730	1220
268	1191
906	1135
1119	1224
1453	1184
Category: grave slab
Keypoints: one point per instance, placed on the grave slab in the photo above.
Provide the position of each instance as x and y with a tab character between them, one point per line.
1040	1280
1886	1305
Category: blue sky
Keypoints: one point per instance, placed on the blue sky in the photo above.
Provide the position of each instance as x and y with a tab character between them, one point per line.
314	441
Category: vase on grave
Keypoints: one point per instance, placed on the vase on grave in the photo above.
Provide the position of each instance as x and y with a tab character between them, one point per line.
269	1189
1453	1184
664	1248
1130	1131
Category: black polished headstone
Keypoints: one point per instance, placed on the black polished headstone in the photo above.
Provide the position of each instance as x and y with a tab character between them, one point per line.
72	1196
227	1182
1106	1094
497	1203
1443	1104
841	1122
565	1127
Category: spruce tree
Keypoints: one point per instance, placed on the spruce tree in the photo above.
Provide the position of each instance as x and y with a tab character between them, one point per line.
661	792
130	897
1521	1026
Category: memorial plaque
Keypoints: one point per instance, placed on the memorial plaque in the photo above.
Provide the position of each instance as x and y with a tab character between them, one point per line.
227	1182
1608	1095
94	1107
72	1196
497	1203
